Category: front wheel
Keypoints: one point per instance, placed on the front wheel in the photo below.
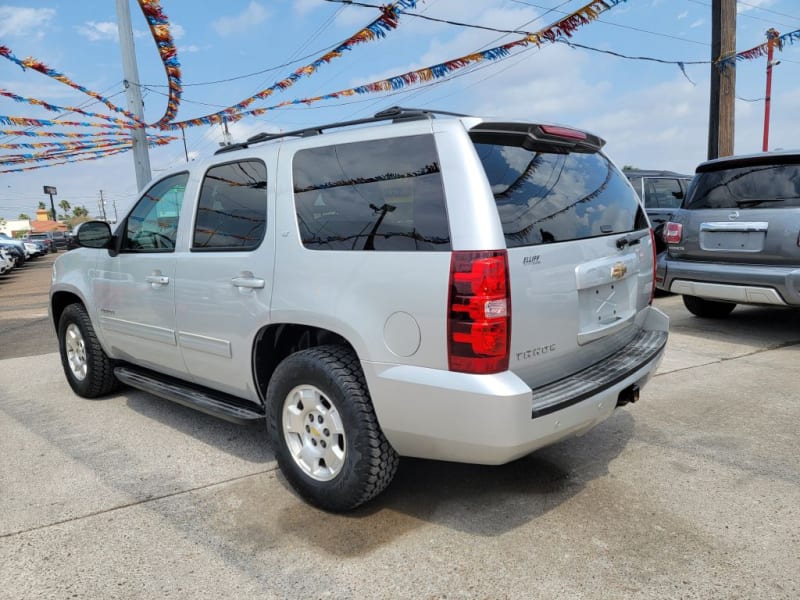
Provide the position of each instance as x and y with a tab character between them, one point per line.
326	436
89	371
710	309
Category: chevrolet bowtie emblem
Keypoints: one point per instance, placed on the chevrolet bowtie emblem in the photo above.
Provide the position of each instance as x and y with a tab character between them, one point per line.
618	270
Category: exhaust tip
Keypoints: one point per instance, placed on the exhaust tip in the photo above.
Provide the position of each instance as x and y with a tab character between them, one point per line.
628	395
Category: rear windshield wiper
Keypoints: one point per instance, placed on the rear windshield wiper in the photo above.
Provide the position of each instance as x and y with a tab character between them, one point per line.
743	203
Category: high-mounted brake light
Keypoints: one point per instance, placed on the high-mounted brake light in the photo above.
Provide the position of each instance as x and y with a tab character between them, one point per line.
564	132
479	312
673	232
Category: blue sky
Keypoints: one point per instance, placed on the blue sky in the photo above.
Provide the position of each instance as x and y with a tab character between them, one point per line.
652	115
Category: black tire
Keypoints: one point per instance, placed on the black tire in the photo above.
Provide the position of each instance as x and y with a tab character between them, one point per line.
709	309
369	462
76	335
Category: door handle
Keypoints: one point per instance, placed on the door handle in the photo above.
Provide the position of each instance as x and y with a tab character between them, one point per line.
248	282
157	279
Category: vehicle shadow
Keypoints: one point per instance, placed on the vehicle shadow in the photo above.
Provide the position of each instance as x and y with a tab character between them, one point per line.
479	500
760	326
247	442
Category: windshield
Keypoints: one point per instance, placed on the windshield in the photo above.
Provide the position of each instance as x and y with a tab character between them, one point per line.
773	186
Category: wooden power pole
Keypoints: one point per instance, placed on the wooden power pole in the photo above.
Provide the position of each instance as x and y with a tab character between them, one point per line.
723	78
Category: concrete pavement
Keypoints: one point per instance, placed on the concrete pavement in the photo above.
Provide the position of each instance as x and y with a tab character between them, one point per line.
694	492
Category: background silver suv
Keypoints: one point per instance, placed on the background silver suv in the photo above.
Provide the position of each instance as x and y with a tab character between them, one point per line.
462	289
737	238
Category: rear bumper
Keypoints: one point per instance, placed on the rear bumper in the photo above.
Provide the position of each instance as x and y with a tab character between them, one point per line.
744	284
493	419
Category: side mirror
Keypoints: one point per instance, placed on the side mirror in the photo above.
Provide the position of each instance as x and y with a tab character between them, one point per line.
94	234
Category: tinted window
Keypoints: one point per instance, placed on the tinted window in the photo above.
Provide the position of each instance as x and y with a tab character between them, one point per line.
152	225
375	195
763	186
232	212
663	193
544	198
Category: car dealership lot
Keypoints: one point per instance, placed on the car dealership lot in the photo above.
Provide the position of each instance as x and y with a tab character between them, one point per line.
692	492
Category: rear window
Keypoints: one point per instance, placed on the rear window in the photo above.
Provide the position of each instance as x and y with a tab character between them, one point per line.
762	186
546	197
374	195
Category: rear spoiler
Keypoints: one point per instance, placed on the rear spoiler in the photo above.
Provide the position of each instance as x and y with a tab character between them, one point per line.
537	138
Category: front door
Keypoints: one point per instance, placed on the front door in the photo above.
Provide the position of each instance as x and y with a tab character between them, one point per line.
135	290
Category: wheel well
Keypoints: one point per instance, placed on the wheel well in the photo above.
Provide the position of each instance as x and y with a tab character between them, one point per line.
276	342
59	302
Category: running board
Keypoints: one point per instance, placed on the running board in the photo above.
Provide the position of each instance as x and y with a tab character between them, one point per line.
217	404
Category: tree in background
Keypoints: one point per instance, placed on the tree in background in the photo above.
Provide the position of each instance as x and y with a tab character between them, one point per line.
65	206
2	222
23	217
80	211
41	206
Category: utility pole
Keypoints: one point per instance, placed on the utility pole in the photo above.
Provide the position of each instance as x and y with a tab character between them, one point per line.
133	94
103	207
723	79
773	39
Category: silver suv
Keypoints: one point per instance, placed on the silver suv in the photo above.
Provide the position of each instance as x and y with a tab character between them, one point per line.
737	238
437	286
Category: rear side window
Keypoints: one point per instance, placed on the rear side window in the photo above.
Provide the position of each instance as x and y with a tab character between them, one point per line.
762	186
232	212
663	192
546	197
373	195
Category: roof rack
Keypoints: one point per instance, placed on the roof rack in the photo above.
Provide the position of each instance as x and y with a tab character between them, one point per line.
395	114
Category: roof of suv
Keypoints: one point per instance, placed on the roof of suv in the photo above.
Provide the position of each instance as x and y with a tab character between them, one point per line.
761	158
545	133
653	173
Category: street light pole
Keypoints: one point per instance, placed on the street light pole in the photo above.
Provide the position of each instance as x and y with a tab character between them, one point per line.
773	38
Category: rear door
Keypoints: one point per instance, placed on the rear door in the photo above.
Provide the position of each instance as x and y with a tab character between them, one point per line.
224	283
744	214
579	251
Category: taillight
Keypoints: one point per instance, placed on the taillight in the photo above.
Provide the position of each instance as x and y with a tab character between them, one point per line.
653	246
673	232
479	312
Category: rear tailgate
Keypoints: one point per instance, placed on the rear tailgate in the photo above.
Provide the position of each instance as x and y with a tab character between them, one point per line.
579	248
743	213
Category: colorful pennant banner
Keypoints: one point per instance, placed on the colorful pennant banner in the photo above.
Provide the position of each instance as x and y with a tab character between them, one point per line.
26	122
100	154
159	28
54	108
86	144
773	38
564	27
377	29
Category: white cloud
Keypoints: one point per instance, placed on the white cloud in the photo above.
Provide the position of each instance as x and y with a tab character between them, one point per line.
697	23
189	48
683	15
18	21
253	15
107	31
177	31
96	31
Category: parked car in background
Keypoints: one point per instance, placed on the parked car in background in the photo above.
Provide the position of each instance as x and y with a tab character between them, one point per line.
662	193
736	240
6	262
15	247
43	246
54	240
